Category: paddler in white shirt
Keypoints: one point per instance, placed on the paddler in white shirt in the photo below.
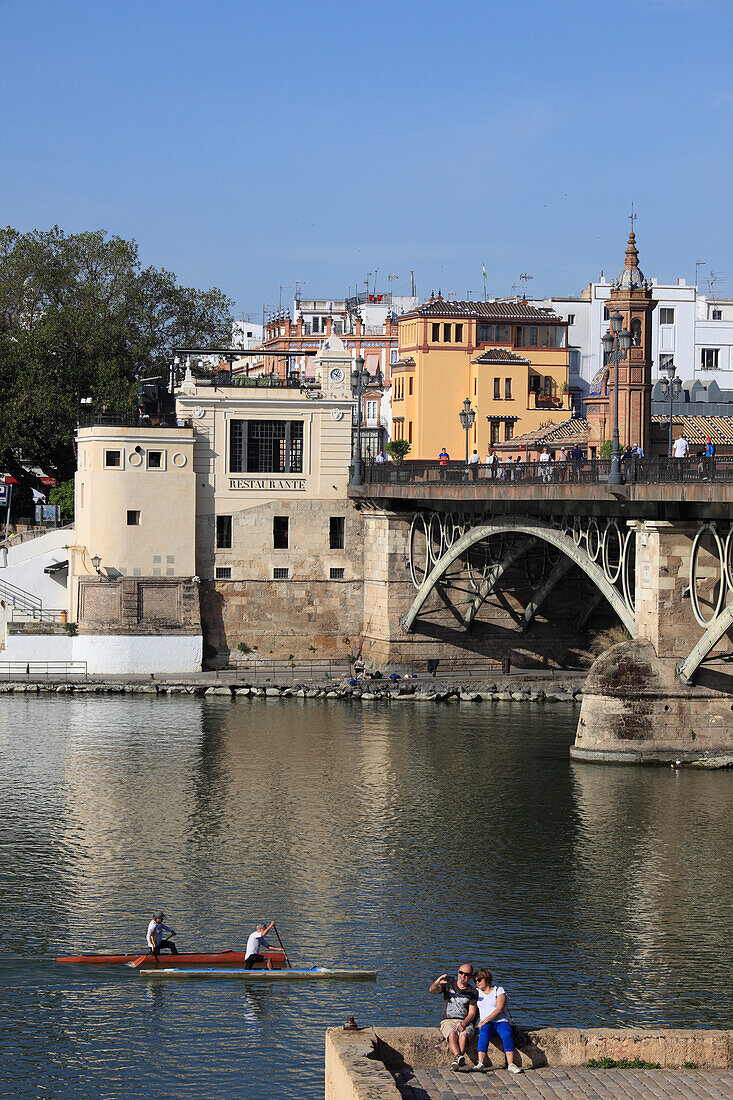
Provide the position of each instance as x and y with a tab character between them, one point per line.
253	955
155	939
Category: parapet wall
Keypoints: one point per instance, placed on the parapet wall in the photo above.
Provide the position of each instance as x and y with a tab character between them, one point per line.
362	1065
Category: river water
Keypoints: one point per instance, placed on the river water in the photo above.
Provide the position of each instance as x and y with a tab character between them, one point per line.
405	839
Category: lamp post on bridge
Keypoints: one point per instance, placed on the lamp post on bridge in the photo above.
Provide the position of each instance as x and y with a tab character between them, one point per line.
672	387
467	416
360	379
616	344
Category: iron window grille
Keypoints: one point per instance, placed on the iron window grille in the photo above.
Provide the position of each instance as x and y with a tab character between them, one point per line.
337	532
223	573
266	446
337	574
223	532
280	574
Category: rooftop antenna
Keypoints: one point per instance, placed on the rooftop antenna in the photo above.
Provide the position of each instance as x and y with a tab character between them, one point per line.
389	280
375	280
280	300
715	276
369	275
298	284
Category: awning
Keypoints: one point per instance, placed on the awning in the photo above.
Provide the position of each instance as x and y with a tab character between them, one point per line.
44	480
56	566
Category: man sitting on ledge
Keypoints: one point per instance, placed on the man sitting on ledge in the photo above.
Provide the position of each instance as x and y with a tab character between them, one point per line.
459	1011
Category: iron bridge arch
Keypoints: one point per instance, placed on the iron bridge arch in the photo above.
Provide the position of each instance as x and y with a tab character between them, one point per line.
601	548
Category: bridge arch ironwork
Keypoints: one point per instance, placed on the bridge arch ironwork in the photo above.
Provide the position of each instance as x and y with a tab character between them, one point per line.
588	544
721	602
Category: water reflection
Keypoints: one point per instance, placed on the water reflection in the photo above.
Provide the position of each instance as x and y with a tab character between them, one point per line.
404	838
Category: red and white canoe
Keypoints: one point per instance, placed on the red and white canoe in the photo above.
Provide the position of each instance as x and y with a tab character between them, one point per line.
183	958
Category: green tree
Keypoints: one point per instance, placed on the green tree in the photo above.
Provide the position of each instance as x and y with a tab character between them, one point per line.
80	317
64	495
606	449
397	449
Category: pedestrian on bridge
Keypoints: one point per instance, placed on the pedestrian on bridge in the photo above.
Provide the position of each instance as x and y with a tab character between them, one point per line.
680	451
443	459
492	461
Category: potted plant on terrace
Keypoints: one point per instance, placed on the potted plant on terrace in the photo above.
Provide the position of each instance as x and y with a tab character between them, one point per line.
397	449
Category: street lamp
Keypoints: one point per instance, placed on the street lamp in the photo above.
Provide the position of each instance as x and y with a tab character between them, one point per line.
672	387
360	379
96	562
616	343
467	417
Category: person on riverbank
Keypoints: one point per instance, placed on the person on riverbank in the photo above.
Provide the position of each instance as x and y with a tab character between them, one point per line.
459	1011
253	955
494	1019
155	939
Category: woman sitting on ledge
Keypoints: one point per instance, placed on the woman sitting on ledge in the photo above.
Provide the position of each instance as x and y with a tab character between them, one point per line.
494	1019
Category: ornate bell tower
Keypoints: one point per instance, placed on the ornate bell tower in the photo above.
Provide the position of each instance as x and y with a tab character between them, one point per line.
631	296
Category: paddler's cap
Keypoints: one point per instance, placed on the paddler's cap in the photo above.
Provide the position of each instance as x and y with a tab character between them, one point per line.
159	915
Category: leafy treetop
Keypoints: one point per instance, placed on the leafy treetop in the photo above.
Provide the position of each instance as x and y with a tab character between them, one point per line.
80	317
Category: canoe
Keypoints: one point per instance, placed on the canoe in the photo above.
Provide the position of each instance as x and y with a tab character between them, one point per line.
315	973
216	958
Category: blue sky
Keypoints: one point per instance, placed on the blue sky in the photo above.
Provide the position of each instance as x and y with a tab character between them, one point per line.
250	145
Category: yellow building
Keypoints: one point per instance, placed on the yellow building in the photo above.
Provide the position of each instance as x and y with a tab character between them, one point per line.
509	359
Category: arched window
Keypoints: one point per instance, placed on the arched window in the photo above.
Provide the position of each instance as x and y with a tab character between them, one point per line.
636	333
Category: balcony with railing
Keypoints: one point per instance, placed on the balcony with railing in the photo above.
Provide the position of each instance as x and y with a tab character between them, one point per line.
539	400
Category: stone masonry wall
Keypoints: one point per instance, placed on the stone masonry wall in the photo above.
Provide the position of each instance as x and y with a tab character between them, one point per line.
139	605
309	614
664	613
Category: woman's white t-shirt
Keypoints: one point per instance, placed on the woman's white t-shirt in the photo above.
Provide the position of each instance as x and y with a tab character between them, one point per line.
487	1005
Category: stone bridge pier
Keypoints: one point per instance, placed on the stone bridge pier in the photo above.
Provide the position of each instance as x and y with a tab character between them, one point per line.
651	699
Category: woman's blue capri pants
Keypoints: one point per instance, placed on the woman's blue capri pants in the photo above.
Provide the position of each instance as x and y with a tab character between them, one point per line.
502	1028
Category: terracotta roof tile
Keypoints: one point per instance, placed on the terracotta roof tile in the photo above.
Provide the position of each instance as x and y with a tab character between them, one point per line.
499	355
492	311
568	431
698	428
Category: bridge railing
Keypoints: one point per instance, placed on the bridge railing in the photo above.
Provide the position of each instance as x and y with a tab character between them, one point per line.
658	469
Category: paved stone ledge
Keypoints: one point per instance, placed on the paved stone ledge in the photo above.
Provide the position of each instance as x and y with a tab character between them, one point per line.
384	1063
372	691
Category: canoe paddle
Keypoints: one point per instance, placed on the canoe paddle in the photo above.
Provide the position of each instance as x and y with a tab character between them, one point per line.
287	960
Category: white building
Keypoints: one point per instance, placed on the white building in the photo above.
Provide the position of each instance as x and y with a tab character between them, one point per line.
372	309
693	330
246	334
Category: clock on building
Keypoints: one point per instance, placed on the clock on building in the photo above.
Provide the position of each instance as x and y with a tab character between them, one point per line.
336	375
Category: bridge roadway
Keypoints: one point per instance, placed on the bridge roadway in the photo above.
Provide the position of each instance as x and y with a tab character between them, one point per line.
428	486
